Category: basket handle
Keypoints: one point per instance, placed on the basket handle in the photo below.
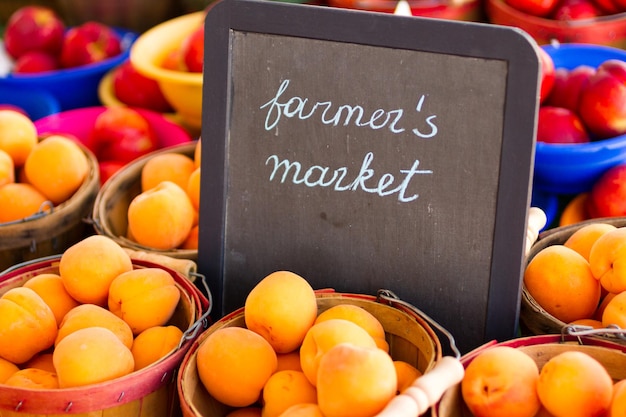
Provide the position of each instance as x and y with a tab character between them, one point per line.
203	321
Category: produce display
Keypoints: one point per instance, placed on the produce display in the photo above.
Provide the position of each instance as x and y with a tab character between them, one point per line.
569	9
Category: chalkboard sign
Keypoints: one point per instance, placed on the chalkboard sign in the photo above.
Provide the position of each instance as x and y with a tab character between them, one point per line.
365	151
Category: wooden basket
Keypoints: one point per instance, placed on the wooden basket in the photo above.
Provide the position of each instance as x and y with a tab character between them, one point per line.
46	234
148	392
410	339
534	320
110	210
541	349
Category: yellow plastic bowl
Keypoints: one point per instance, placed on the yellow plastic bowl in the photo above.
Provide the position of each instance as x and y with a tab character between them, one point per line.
182	89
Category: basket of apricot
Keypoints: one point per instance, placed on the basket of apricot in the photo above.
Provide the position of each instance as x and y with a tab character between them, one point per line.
547	375
574	277
294	351
94	331
151	204
47	188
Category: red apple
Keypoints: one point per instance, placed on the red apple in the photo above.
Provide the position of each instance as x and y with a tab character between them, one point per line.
35	62
192	50
603	101
547	75
576	10
108	168
122	134
567	86
88	43
541	8
136	90
560	125
607	197
608	6
33	28
620	5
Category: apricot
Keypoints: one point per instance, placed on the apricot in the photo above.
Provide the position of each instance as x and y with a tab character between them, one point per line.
407	374
355	381
289	361
603	303
161	217
27	325
607	259
193	188
284	389
168	166
144	298
583	239
7	168
618	401
191	241
575	211
19	201
359	316
245	412
303	410
91	355
7	368
33	378
325	335
234	363
50	288
560	280
501	381
88	267
574	384
92	315
41	361
615	311
197	154
57	167
18	135
596	324
281	307
155	343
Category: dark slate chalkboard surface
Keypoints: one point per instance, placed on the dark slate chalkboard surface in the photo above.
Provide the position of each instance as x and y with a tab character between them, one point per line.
365	151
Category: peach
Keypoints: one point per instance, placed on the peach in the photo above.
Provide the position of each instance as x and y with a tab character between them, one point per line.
33	378
493	386
245	412
161	217
7	169
18	135
234	363
155	343
325	335
41	361
144	298
168	166
355	381
583	239
88	267
615	311
303	410
607	260
284	389
7	368
407	374
618	401
281	307
50	288
359	316
19	201
89	356
290	360
92	315
574	384
27	325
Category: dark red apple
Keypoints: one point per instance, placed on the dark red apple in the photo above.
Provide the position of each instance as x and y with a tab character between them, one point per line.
33	28
603	101
541	8
608	6
108	168
136	90
567	86
607	197
35	62
89	43
620	5
560	125
192	50
576	10
547	75
122	134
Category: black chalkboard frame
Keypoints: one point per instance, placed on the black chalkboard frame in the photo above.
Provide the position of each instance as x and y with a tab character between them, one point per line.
466	39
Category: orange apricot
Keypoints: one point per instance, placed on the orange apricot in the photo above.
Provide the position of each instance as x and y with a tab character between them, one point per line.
407	374
560	280
284	389
197	154
607	259
593	323
600	310
245	412
33	378
50	288
7	368
575	211
355	381
155	343
168	166
41	361
359	316
91	355
143	298
303	410
234	363
191	241
583	239
161	217
27	325
618	401
615	311
7	168
281	307
289	361
92	315
574	384
88	267
57	167
18	135
19	201
193	188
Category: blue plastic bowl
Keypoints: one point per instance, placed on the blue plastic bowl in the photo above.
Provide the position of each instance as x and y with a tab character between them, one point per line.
36	104
72	87
574	168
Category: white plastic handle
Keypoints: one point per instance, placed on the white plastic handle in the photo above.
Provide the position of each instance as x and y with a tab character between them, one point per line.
426	391
536	220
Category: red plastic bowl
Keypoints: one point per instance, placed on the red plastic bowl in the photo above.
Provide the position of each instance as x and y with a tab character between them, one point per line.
607	30
80	122
464	10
